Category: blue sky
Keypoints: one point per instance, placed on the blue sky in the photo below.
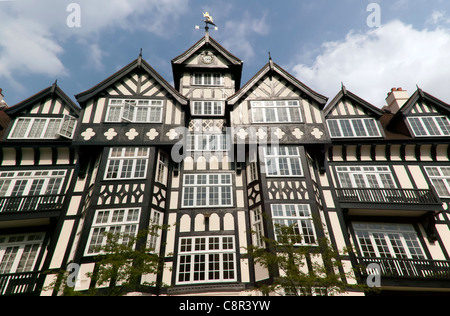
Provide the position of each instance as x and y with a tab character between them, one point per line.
322	43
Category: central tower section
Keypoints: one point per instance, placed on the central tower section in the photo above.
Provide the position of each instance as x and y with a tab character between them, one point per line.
212	230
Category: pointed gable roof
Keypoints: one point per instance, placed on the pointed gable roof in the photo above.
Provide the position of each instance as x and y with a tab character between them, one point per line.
398	121
138	64
421	95
178	63
344	94
272	68
51	91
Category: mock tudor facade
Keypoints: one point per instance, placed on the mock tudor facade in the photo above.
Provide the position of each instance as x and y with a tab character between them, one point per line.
220	164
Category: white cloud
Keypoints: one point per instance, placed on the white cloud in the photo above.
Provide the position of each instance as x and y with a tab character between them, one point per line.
373	62
239	34
34	33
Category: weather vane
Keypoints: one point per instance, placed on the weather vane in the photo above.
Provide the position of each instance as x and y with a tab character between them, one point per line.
208	21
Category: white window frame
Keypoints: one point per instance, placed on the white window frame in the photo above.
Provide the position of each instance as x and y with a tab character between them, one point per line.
439	126
44	127
208	108
202	190
279	111
283	161
128	160
154	241
296	215
128	110
162	168
31	183
199	142
382	240
440	178
120	221
358	177
357	127
16	256
197	255
207	79
258	227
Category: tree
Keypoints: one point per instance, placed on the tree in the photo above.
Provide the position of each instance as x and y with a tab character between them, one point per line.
301	270
121	263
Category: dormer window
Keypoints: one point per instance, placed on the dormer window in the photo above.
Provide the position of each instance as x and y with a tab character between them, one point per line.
43	127
425	126
359	127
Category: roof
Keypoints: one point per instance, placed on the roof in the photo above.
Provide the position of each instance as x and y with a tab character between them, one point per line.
207	40
50	91
236	64
346	94
271	68
139	63
422	95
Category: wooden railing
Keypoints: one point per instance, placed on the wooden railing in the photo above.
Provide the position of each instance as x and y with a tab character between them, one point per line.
19	283
388	196
31	203
407	268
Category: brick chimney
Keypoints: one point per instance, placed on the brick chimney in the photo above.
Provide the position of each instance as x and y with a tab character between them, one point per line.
396	99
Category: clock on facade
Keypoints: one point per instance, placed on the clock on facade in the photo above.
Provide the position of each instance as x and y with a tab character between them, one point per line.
207	59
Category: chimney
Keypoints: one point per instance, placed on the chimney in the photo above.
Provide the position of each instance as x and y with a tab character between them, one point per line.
396	99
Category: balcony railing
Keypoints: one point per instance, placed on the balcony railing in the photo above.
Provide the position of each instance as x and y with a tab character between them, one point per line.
32	203
19	283
386	196
408	268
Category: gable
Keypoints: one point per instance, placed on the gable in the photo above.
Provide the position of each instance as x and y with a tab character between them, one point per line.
349	116
423	116
138	79
346	104
50	101
207	54
274	82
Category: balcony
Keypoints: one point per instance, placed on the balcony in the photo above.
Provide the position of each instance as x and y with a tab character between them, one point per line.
392	198
32	203
407	269
20	283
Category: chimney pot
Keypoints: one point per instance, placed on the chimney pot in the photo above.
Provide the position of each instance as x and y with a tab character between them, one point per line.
396	99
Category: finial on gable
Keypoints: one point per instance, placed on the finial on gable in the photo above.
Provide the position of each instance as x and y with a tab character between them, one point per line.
271	62
54	85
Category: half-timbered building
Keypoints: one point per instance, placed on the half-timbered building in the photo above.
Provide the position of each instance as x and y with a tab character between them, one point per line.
221	164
